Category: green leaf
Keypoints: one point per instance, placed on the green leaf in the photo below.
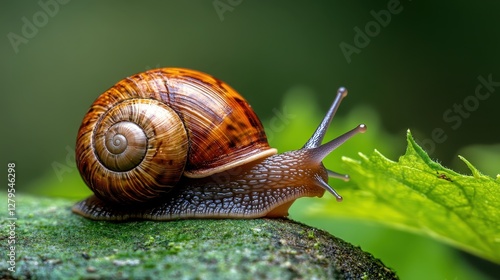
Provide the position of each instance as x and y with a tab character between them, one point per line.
421	195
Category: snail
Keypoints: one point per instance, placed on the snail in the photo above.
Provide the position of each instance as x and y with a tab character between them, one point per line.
174	143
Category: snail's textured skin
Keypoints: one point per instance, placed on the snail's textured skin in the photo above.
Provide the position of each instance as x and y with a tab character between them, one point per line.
174	143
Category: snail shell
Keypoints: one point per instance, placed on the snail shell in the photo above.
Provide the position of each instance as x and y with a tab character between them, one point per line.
145	132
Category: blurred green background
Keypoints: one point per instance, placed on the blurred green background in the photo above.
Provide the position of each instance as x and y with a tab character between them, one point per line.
56	58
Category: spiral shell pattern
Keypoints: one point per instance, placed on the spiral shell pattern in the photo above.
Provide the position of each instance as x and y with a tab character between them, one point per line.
136	151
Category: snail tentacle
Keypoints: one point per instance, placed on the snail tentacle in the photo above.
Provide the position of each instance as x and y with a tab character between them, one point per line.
320	132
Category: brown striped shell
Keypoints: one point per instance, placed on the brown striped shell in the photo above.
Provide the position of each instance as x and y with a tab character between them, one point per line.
147	131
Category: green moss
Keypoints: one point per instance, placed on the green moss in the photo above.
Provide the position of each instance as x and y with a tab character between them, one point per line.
51	241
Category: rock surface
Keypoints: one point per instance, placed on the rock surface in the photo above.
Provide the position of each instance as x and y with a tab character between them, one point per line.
53	243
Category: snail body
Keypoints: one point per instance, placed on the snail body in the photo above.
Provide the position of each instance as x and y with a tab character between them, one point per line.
174	143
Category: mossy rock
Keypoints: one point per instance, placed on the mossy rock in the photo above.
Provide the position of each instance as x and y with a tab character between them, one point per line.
53	243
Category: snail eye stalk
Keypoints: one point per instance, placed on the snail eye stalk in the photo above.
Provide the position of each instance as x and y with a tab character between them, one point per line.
319	152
